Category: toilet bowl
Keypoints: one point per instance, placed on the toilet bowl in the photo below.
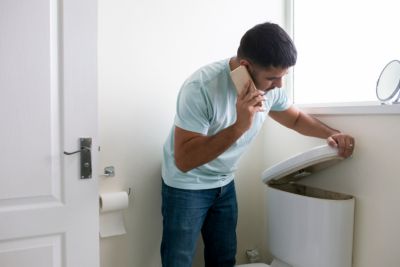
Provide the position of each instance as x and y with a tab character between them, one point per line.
253	265
307	226
275	263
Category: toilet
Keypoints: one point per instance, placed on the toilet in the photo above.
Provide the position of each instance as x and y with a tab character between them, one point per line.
307	226
253	265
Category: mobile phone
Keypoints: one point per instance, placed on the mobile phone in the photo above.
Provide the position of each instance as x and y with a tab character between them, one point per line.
240	76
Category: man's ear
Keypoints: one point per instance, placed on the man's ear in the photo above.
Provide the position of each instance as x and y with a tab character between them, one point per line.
244	62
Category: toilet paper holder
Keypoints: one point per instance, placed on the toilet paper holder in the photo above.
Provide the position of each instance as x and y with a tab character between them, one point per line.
109	171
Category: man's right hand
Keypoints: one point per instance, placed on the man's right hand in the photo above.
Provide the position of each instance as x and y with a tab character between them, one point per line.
248	103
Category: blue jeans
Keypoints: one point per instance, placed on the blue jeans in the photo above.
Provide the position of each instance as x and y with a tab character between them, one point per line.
186	213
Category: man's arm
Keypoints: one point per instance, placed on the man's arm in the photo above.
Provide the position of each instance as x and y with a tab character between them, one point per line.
195	149
305	124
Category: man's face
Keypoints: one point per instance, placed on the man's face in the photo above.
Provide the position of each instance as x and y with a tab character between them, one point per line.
266	79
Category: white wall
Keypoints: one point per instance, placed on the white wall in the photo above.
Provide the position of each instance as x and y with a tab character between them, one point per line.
371	175
146	50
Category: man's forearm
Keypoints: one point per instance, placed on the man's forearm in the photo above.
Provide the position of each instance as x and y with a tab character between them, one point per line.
201	149
310	126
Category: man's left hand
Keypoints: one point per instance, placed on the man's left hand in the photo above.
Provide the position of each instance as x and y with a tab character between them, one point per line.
344	142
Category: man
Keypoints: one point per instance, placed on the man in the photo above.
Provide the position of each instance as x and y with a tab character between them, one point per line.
213	127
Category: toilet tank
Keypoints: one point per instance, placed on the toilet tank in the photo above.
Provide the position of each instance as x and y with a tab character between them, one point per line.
307	226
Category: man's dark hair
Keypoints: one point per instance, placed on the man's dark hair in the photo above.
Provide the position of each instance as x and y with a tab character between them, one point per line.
268	45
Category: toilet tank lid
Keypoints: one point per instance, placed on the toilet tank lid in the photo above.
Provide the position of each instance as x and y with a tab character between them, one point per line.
301	165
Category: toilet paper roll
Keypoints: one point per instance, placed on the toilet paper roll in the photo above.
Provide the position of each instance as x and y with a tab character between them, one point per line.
113	201
111	216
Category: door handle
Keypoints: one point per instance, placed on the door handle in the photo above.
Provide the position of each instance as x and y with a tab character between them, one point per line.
78	151
86	157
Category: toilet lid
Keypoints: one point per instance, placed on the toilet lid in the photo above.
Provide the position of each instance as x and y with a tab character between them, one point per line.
301	165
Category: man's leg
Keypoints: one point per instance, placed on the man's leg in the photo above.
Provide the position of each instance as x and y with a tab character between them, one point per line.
219	229
183	213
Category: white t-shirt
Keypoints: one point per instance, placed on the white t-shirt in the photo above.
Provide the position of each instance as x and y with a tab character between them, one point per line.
207	104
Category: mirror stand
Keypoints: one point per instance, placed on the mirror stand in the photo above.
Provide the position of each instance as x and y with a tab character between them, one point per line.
397	91
397	99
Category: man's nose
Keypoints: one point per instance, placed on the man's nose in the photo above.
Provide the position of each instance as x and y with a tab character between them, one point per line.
278	83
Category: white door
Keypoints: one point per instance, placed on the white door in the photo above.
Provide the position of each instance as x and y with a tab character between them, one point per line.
48	215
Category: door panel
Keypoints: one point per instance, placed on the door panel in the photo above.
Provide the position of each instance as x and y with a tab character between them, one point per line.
30	83
43	252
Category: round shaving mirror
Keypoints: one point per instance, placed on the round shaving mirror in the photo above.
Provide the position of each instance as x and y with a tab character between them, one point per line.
388	84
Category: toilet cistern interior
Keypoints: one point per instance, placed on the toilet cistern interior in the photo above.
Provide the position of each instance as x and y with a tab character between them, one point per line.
307	226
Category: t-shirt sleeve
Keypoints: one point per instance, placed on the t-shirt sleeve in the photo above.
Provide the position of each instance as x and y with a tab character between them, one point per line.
192	109
281	102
